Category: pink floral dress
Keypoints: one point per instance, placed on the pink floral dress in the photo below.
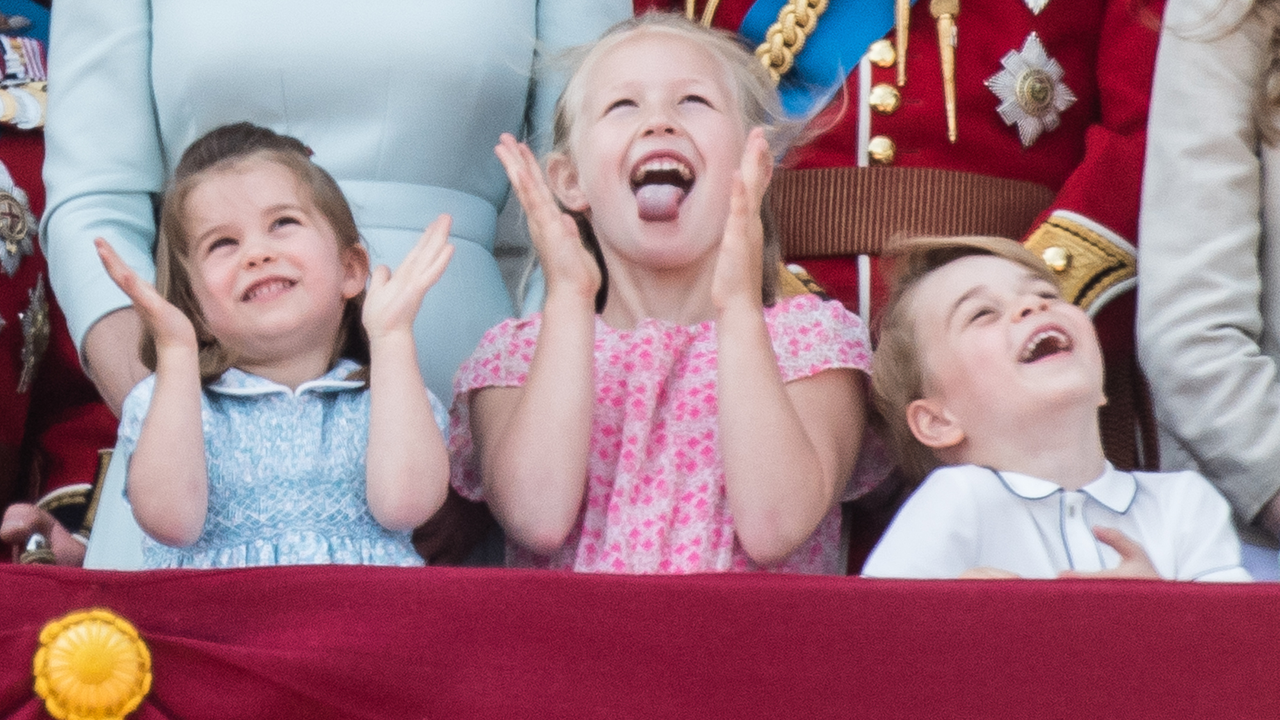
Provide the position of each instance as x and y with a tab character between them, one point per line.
655	498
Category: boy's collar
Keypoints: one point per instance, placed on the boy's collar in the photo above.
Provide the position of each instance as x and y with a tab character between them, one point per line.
1113	489
240	383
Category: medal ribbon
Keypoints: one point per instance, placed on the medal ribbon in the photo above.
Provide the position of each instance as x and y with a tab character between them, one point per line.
843	34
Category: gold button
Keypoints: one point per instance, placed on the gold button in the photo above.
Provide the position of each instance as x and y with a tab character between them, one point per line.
885	98
882	53
1057	258
881	150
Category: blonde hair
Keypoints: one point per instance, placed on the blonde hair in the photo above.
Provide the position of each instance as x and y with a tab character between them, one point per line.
219	150
758	106
898	375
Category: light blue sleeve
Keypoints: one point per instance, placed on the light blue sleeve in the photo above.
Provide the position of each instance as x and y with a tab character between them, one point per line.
103	158
132	413
441	415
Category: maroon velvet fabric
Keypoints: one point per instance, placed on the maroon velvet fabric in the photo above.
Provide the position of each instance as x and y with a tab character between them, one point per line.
412	643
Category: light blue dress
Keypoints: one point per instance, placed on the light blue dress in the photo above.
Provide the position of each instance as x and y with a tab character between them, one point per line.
286	474
402	102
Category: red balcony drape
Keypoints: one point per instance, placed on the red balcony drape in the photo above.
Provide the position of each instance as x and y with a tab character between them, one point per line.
362	642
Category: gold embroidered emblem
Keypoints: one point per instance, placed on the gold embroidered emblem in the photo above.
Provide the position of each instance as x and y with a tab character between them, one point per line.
1087	264
35	334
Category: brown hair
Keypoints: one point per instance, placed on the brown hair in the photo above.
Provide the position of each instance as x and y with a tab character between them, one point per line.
1266	99
219	150
758	105
897	371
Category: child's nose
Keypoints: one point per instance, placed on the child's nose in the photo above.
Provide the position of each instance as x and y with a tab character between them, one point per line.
659	123
1032	305
258	252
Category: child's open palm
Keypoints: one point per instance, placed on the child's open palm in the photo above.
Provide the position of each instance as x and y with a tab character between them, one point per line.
738	267
393	299
166	323
565	260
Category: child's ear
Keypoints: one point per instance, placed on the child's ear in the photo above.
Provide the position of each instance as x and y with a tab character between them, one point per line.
562	174
932	425
355	270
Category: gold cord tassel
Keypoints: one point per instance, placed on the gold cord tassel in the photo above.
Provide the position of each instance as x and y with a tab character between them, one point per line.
785	38
946	11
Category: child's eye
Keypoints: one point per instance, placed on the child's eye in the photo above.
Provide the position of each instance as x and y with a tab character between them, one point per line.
224	242
698	99
616	104
282	221
981	314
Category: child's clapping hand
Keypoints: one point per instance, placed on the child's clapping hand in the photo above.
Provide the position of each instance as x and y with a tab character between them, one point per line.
171	329
566	262
738	267
393	299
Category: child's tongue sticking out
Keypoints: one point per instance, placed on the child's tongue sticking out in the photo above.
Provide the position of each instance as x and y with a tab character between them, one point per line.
660	185
659	202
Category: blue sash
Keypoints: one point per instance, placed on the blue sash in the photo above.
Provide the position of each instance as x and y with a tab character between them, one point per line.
829	54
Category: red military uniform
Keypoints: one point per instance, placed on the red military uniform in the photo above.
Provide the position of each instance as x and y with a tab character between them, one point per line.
1057	98
52	422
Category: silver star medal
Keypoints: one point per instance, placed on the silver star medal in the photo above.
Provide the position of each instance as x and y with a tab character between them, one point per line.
1031	92
17	228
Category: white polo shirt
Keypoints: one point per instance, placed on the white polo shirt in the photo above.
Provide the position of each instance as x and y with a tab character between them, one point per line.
968	516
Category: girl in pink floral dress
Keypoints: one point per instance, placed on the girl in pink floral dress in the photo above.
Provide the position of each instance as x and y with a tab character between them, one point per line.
663	414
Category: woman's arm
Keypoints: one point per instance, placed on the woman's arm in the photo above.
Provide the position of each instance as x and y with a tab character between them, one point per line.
407	468
533	440
103	166
783	468
168	483
1205	291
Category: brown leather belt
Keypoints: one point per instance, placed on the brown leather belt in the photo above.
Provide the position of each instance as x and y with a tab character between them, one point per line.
828	212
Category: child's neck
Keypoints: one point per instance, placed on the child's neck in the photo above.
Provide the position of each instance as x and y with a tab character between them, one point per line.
681	296
1064	448
290	371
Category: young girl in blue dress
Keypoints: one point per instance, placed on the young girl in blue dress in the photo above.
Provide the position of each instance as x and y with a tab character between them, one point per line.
262	439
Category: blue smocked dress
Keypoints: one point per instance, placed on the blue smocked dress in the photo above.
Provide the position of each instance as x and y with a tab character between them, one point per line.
286	474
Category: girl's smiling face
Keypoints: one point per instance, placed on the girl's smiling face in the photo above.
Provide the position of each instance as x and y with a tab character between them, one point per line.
656	140
266	268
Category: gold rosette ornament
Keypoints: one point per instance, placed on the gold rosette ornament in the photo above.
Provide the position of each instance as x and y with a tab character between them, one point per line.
91	665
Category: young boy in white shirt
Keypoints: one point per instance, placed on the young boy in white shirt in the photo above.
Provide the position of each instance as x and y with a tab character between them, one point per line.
990	383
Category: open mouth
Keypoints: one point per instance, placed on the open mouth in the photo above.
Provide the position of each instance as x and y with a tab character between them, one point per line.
660	183
266	289
1045	343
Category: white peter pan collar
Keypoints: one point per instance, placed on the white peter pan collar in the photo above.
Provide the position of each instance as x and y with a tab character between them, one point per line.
242	384
1113	489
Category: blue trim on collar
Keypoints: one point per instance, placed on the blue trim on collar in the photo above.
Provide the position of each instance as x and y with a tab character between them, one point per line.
1026	486
1113	489
238	383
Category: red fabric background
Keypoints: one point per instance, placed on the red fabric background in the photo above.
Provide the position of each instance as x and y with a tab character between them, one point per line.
405	643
